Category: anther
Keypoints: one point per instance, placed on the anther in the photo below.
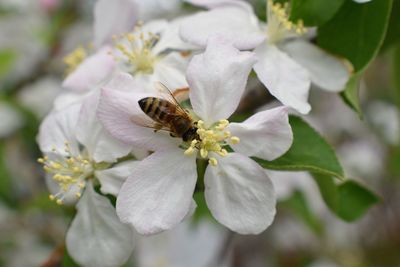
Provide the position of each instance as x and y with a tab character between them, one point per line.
213	161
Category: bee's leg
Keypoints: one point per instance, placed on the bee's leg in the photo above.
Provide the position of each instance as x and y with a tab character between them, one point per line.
157	127
172	134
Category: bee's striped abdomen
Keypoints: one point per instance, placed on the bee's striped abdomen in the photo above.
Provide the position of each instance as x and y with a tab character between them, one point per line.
157	109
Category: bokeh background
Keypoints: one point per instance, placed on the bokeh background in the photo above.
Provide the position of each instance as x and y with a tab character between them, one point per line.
34	38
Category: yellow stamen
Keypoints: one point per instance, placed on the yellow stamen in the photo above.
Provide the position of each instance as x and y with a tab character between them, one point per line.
279	25
213	161
136	49
74	59
69	171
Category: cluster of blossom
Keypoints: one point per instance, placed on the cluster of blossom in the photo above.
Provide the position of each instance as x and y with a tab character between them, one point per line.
94	142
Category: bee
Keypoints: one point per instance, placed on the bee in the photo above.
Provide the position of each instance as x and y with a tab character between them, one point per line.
169	115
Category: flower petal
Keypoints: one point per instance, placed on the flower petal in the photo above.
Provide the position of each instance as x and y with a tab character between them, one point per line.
111	179
100	145
58	127
170	38
235	23
217	79
285	79
116	112
113	17
266	134
326	71
239	194
96	237
91	72
158	194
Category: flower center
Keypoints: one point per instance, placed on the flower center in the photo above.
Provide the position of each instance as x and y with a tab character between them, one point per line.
212	139
74	59
136	49
279	26
70	172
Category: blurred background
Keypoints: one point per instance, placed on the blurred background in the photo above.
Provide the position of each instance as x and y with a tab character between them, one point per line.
35	36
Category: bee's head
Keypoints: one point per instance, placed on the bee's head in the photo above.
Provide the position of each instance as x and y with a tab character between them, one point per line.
190	134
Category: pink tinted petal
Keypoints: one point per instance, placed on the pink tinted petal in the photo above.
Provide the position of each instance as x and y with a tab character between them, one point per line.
113	17
285	79
119	112
158	194
217	79
100	145
239	194
266	134
91	72
233	22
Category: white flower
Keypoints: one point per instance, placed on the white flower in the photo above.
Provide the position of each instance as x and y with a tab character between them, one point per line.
286	63
143	53
119	16
77	154
158	194
194	244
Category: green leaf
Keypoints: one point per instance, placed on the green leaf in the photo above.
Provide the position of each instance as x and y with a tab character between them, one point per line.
6	185
350	94
348	200
314	12
396	71
297	203
393	31
7	60
357	31
309	152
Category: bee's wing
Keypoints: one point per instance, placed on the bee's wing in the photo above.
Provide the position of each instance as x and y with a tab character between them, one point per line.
145	121
168	95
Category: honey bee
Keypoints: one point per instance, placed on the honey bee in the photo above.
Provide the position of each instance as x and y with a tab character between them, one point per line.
169	115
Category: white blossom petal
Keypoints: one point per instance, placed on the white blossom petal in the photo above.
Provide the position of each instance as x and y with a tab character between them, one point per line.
158	194
266	134
285	79
66	99
170	38
326	70
96	237
91	72
171	71
152	9
112	179
119	111
233	22
100	145
58	127
217	79
113	17
239	194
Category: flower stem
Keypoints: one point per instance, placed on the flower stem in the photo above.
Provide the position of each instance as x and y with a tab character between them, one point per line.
201	169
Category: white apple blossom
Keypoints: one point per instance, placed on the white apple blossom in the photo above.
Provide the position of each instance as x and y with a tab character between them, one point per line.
287	62
145	53
79	154
195	244
158	193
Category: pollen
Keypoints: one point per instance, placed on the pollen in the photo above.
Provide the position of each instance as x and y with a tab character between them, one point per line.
74	59
69	171
212	140
279	26
136	49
